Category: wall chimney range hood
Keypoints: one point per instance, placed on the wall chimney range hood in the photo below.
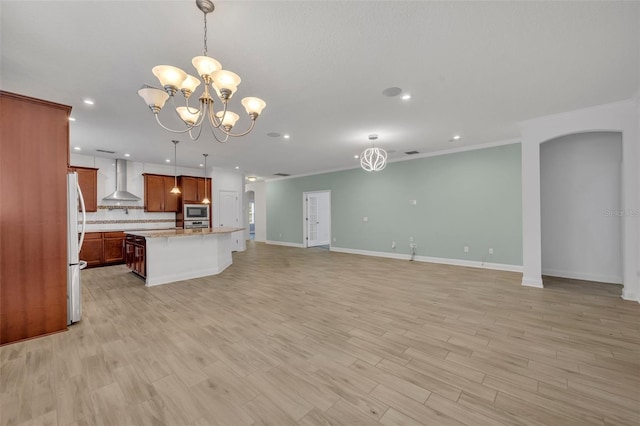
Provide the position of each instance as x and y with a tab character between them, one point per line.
121	193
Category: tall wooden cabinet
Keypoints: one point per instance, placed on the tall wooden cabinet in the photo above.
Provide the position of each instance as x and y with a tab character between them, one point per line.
34	156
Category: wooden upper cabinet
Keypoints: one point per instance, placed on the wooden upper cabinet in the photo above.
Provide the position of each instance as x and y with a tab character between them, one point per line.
170	200
157	194
153	193
189	187
88	181
194	189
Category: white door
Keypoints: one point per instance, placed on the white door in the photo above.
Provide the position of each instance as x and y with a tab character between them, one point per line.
317	218
312	221
229	216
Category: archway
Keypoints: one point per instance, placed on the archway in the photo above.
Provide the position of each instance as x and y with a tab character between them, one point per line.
580	201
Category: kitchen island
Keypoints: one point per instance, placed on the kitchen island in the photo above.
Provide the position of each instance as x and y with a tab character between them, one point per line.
166	256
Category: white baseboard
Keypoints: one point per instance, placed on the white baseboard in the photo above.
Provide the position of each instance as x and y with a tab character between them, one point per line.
428	259
612	279
628	295
370	253
532	282
285	243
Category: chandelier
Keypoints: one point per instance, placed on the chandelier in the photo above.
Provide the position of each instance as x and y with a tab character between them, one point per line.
216	80
373	159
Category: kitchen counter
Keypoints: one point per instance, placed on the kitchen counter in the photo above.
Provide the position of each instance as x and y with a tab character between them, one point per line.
179	232
171	255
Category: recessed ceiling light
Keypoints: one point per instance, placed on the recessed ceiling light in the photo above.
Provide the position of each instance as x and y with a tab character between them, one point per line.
201	165
286	136
456	138
167	160
237	167
77	148
406	97
72	119
392	91
356	156
127	155
88	101
251	178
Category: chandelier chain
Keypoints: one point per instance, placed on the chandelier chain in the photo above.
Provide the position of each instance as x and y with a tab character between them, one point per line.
205	34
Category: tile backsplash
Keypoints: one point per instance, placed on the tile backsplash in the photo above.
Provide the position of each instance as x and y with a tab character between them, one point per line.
124	218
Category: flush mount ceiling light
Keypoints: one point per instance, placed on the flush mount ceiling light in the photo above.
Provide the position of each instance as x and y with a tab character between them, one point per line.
224	83
175	189
373	159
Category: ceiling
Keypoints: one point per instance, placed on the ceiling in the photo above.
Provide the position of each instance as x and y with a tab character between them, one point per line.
472	68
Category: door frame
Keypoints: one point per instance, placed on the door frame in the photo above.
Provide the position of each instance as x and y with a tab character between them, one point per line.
305	227
235	245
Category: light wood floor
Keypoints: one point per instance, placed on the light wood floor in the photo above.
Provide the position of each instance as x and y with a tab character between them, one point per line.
292	336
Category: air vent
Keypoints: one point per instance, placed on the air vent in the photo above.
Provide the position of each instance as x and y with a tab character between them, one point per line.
412	152
106	151
281	174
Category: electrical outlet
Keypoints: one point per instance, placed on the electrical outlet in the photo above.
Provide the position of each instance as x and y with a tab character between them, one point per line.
365	219
466	249
413	245
491	251
393	245
334	239
410	239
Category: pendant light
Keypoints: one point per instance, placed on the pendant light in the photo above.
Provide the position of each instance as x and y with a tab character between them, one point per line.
175	189
205	200
373	159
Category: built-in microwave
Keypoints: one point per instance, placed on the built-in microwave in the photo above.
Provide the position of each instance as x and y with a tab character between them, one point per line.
196	212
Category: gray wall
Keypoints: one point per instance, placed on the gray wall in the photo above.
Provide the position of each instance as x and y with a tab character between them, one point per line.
580	198
471	198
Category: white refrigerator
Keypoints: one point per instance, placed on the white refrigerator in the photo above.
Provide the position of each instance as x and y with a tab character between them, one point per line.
76	223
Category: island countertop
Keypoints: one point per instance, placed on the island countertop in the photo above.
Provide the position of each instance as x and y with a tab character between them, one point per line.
165	233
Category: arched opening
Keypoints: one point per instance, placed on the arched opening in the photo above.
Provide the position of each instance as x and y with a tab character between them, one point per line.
251	213
581	201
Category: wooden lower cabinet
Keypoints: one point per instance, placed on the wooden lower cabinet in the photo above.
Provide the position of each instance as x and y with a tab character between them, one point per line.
91	251
103	248
113	247
135	254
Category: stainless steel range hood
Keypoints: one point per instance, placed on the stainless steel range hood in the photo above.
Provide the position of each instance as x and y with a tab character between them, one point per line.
121	193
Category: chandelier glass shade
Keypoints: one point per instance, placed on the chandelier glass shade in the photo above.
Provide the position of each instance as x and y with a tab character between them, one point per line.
219	85
373	159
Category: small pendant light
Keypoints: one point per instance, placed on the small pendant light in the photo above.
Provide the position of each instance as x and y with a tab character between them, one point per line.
205	200
175	189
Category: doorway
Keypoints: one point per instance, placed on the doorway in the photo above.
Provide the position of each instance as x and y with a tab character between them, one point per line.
317	218
229	216
251	213
580	200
